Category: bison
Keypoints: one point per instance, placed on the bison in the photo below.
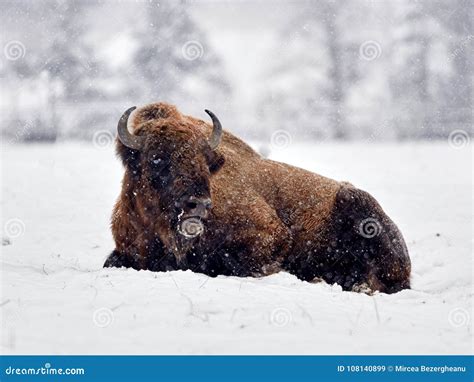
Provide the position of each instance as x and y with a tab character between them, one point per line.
195	196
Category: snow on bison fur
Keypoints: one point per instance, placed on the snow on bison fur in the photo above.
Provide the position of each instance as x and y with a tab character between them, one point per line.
197	197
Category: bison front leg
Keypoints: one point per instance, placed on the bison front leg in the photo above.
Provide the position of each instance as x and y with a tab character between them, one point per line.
261	245
249	245
117	260
252	257
152	257
128	257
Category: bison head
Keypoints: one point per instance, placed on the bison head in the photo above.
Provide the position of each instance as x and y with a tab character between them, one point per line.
171	160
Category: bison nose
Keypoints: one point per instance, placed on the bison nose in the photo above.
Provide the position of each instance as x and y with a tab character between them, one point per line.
198	206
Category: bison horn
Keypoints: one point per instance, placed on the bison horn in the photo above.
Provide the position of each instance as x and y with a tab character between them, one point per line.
132	141
216	136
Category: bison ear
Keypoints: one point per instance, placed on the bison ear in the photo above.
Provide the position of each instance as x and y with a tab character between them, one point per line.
130	157
215	160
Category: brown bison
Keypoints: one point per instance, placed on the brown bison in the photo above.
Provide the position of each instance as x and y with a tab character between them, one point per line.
197	197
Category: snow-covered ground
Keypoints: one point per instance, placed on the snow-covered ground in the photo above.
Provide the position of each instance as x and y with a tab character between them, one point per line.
56	298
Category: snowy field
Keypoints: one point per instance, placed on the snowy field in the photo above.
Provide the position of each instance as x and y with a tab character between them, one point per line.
56	298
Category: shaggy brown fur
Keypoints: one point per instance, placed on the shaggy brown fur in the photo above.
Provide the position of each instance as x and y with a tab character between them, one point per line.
266	216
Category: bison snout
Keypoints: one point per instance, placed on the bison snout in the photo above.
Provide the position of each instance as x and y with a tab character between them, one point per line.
197	207
194	211
191	228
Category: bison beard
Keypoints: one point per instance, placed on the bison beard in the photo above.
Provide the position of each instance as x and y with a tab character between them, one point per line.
196	197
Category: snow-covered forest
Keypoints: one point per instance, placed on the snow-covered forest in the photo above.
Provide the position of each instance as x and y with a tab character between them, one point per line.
357	69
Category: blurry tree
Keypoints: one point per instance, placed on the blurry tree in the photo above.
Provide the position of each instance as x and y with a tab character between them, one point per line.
306	87
68	58
173	60
56	58
456	16
417	76
331	15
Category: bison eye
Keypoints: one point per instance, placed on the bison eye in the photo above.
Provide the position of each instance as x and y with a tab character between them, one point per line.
159	172
157	164
155	160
